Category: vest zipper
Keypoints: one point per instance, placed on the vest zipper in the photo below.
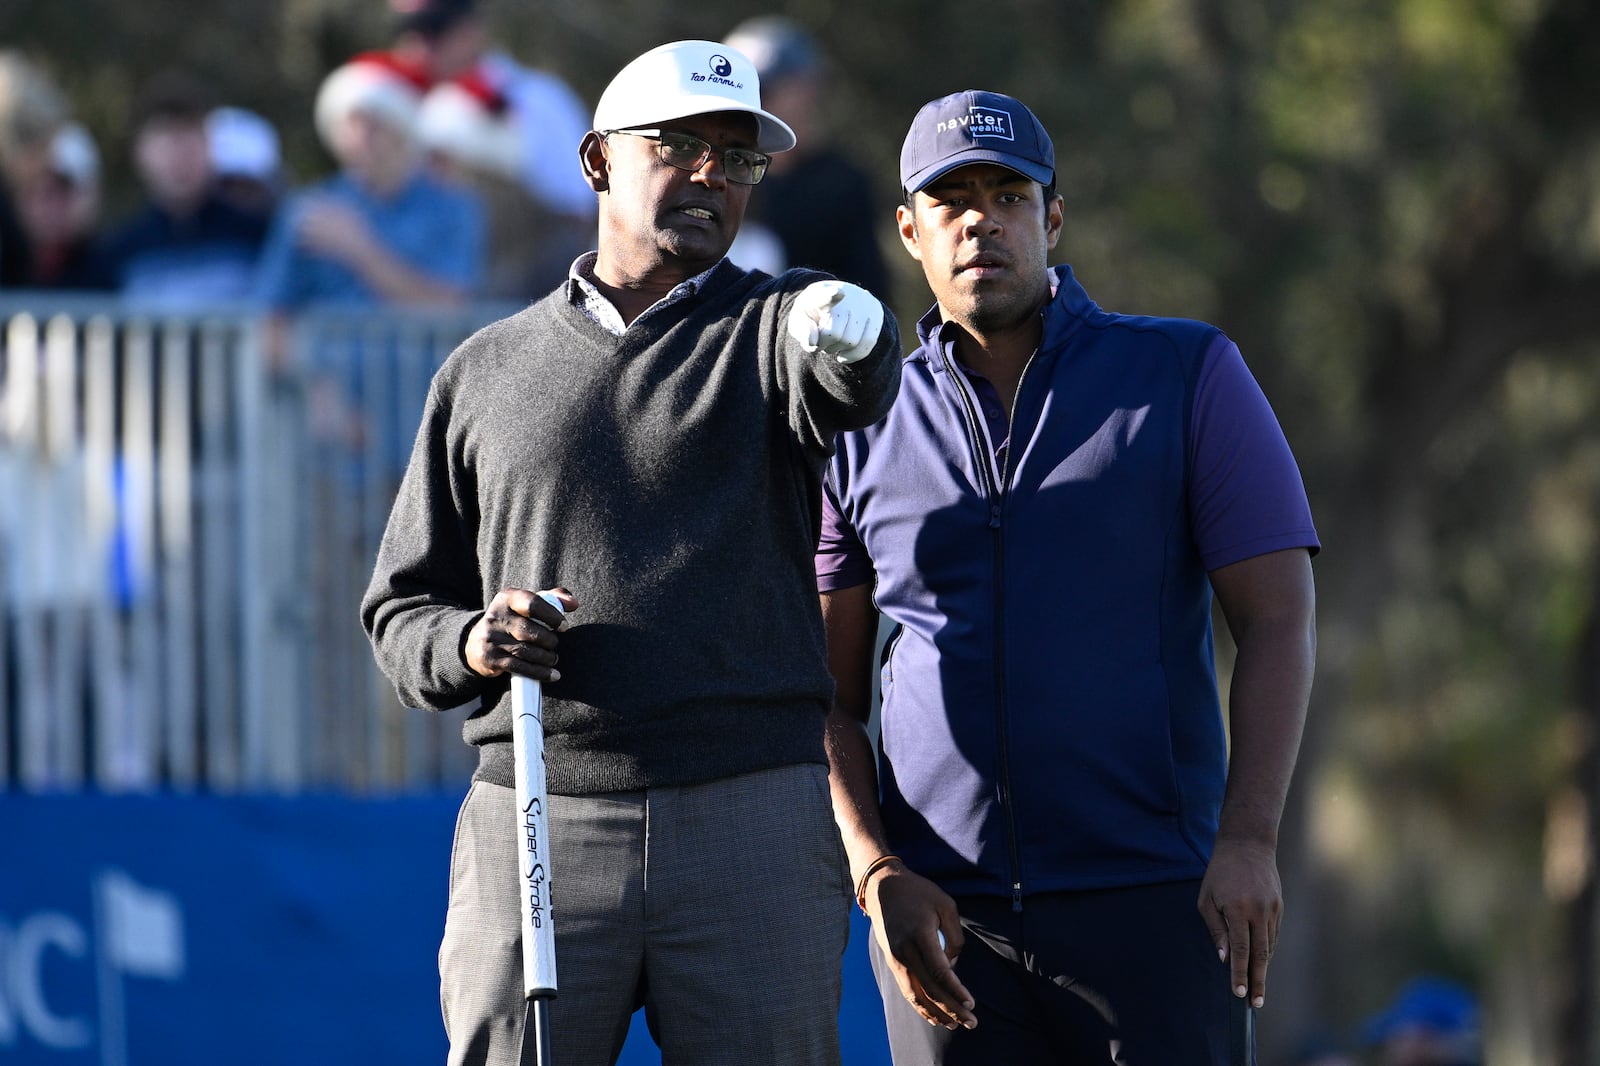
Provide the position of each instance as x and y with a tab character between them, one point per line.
994	490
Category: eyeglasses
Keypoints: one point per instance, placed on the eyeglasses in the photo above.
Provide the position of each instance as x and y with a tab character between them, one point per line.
680	150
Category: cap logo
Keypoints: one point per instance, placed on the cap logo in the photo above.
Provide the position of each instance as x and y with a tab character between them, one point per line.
980	122
720	69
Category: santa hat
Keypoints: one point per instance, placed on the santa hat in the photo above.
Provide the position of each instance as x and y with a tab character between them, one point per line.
376	83
468	119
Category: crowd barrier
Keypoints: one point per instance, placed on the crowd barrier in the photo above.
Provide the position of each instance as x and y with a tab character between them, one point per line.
192	507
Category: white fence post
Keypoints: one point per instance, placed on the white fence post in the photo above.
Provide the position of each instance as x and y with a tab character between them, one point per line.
175	551
104	653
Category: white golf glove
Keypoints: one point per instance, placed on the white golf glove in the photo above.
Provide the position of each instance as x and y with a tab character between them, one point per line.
838	318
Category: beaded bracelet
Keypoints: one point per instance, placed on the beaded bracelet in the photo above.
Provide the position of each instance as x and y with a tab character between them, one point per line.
861	885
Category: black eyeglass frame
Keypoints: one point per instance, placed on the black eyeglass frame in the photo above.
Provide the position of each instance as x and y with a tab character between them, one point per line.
757	161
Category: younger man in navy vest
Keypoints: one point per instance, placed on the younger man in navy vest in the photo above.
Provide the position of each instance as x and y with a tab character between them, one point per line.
1044	514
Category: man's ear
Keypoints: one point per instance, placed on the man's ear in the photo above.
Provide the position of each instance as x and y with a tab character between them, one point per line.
1054	215
592	153
906	220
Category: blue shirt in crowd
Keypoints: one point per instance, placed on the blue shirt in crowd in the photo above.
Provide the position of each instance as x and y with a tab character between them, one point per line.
433	228
185	264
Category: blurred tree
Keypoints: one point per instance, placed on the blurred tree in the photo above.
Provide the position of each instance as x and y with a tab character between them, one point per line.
1392	206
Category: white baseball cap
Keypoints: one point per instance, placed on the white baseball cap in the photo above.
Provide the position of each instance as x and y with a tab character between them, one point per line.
243	144
689	78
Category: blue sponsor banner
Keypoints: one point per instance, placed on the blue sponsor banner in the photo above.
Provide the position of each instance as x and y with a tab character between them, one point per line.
256	931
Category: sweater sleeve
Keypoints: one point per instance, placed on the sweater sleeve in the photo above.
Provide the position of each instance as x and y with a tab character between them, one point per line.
826	396
426	591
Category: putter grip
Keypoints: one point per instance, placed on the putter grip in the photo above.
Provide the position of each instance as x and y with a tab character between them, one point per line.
533	836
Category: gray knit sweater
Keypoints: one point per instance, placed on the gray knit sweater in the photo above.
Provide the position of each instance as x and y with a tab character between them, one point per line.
670	478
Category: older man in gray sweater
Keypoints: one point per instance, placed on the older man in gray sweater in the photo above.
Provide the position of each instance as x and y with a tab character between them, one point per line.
647	440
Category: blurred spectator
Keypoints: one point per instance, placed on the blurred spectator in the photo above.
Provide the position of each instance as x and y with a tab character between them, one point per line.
186	248
842	239
245	158
758	248
60	214
32	110
471	139
448	40
381	231
1432	1022
14	254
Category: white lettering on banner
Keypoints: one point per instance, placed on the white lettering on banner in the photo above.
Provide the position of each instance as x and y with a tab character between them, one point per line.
139	934
22	1002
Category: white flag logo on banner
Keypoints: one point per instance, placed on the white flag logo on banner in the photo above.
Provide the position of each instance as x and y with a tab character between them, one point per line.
143	930
141	935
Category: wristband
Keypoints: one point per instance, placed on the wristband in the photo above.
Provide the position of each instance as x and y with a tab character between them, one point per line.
861	885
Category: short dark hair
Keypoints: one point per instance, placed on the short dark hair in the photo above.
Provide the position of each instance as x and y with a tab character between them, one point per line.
173	95
430	18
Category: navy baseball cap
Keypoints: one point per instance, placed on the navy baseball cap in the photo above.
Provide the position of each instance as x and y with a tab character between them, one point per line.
1430	1004
973	126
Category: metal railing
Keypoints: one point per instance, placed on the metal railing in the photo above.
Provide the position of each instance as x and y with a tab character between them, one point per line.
189	510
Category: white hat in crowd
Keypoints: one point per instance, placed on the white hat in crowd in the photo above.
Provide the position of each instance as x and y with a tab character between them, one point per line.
243	144
73	155
689	78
